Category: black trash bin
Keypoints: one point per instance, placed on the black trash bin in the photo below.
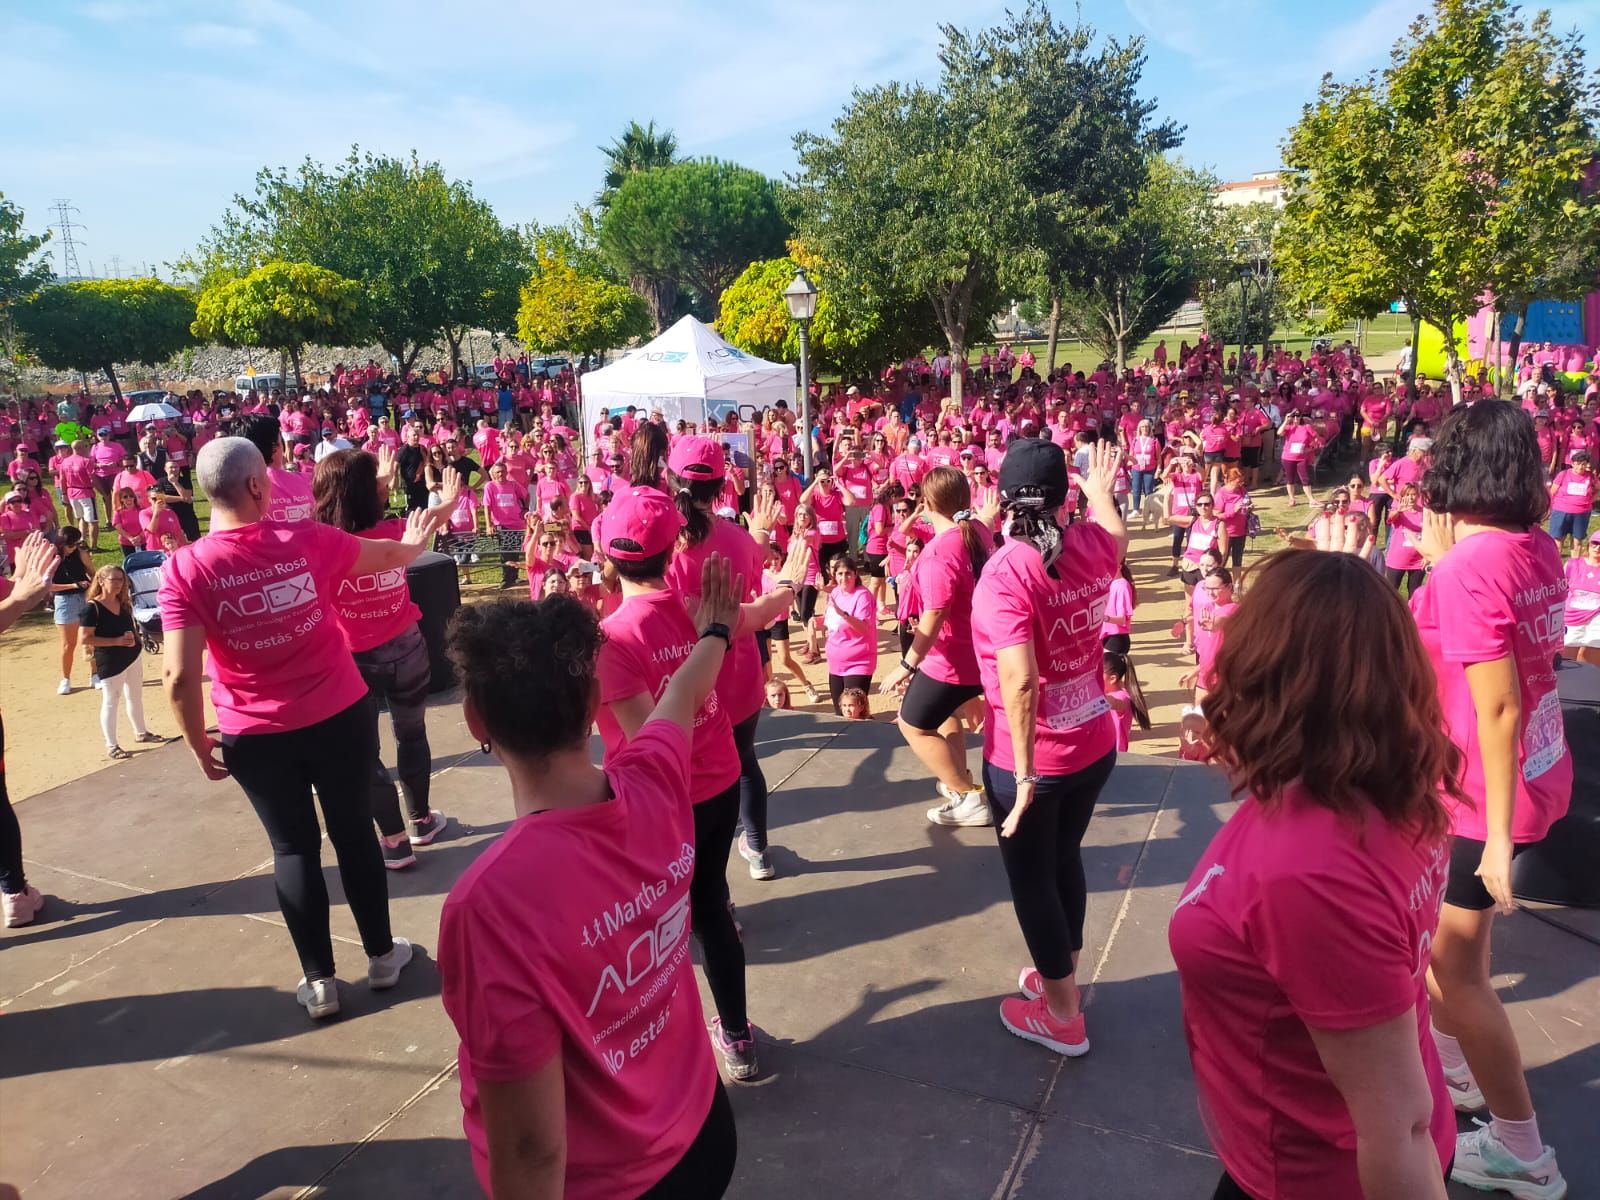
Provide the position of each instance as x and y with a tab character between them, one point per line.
1565	867
436	590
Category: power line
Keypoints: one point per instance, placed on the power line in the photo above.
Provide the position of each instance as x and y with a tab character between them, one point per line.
69	247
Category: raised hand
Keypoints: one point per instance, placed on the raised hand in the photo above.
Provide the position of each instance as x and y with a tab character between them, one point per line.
720	590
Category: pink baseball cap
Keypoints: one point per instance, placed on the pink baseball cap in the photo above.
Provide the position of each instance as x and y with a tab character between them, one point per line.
696	458
641	515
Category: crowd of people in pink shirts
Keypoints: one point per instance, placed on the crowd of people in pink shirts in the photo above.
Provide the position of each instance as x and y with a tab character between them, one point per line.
1333	941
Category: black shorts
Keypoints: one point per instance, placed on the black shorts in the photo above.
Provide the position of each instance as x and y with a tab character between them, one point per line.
1189	575
1463	888
929	702
1250	456
583	537
1117	643
872	566
1213	456
779	630
762	648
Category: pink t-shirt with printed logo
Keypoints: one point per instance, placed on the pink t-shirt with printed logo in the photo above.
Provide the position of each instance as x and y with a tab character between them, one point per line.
75	477
1583	592
263	593
943	579
1017	602
597	971
377	607
1293	920
290	501
1571	492
829	511
1493	594
647	639
506	504
107	459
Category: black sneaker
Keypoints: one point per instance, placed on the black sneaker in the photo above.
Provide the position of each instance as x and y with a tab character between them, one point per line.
430	827
737	1055
397	857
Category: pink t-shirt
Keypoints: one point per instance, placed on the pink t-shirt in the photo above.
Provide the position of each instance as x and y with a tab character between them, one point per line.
75	477
943	578
290	501
1399	554
1495	594
829	510
739	683
1294	920
107	459
598	970
1208	641
157	525
130	529
1119	608
850	652
1583	592
506	503
263	593
647	639
376	607
1016	602
1571	492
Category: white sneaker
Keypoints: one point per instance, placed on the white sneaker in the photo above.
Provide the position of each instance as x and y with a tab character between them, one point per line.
1483	1162
94	682
384	971
320	999
64	688
967	809
1464	1093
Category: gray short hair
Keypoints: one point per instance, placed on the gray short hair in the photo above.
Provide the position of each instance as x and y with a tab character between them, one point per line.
225	466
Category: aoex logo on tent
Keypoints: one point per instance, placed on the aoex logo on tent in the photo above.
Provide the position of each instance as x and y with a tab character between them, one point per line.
726	352
665	356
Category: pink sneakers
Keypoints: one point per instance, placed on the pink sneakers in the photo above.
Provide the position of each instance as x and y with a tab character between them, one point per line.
1030	983
1033	1020
22	907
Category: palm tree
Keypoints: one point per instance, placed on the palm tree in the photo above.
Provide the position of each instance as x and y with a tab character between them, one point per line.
638	149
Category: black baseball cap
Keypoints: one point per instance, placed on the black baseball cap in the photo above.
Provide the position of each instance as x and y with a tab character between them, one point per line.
1034	474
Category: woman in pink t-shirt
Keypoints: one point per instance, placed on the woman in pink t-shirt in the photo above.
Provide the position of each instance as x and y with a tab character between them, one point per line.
1402	557
938	673
252	605
584	1066
1572	501
1582	613
379	620
852	625
648	636
1298	455
1490	615
1302	938
1049	736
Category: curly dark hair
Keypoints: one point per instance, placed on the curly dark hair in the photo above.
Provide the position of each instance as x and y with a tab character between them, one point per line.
1486	466
1289	705
528	670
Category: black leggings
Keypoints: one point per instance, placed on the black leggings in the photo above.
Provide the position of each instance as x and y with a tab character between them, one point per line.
808	605
1117	643
399	671
277	772
1044	863
12	879
1379	509
720	948
1396	574
1180	534
706	1168
752	783
838	684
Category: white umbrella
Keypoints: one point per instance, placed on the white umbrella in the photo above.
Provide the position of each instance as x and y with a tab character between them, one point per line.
158	410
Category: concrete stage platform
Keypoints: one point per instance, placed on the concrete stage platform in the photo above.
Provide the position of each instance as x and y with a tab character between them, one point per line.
150	1045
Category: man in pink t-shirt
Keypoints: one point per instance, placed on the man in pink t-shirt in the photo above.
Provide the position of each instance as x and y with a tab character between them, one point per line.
251	604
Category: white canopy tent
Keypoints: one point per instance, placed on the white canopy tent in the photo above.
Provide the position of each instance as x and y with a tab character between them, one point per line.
690	374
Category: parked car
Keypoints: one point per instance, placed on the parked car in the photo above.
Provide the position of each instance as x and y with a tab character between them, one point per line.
484	373
149	396
265	384
547	368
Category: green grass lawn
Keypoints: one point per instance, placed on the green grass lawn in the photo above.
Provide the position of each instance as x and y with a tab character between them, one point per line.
1384	335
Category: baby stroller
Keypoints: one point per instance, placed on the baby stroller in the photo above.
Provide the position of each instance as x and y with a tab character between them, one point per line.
143	568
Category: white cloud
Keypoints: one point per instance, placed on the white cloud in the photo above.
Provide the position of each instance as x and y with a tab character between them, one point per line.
209	35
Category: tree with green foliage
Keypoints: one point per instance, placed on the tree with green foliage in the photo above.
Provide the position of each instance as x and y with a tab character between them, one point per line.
1074	99
1242	297
640	148
694	226
21	273
432	259
1445	175
563	309
282	306
1153	257
94	325
849	334
915	190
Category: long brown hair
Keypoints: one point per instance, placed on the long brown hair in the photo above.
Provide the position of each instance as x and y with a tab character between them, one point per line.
345	489
946	491
101	586
1292	705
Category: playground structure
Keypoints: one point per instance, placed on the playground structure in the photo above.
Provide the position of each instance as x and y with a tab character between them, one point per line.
1564	334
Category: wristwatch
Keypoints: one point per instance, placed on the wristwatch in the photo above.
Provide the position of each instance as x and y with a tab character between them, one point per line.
1029	778
717	629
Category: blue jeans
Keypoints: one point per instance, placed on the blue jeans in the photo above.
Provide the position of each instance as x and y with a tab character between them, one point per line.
1573	525
1144	484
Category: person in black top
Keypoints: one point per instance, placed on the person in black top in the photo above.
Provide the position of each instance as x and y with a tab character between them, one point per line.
67	586
179	499
108	633
411	460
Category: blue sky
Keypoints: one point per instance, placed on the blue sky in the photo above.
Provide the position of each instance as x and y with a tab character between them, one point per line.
151	114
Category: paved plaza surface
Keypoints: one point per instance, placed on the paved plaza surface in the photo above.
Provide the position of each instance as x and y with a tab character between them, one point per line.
150	1045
